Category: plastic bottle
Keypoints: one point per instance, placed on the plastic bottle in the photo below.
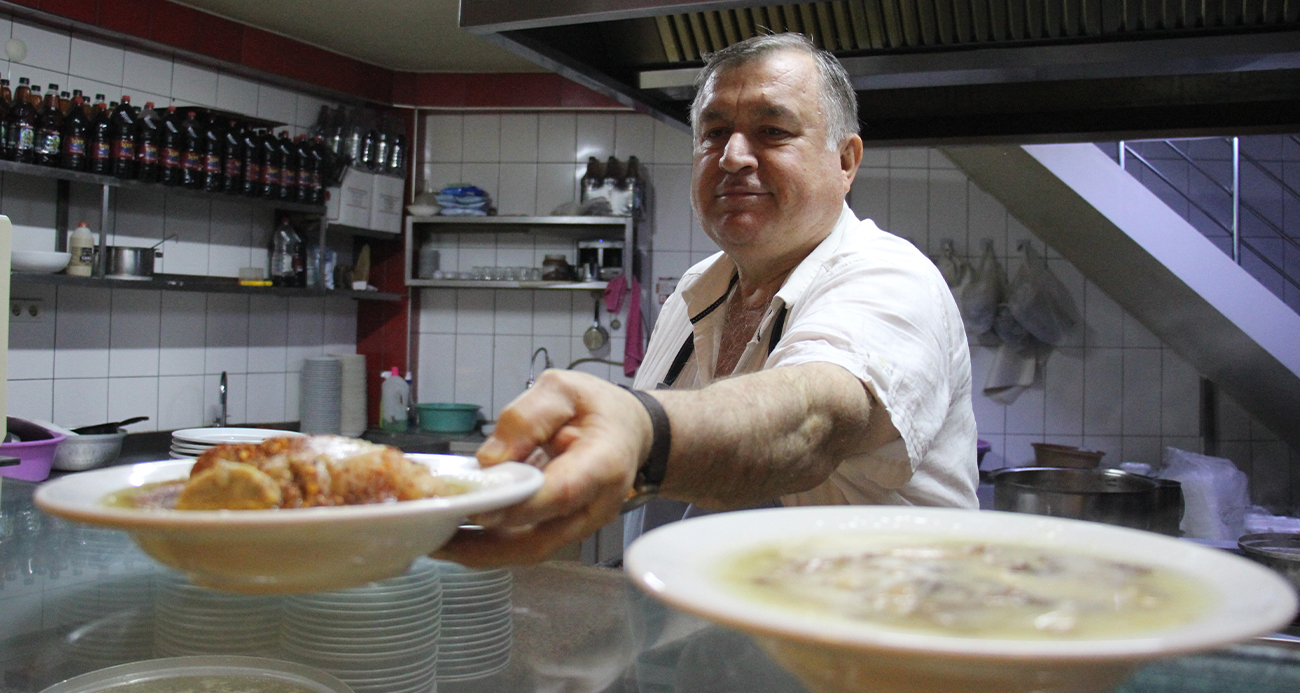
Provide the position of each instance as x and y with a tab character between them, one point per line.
123	139
49	131
272	159
252	174
282	252
213	178
100	148
81	245
193	147
171	143
232	155
289	165
75	131
148	136
20	127
394	398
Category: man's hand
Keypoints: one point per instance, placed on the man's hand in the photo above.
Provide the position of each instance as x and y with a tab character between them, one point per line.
595	436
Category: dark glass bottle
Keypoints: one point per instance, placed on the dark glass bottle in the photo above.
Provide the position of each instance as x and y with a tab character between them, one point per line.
213	178
148	141
272	159
65	102
318	152
289	165
20	126
303	151
99	148
369	150
232	157
123	138
252	183
170	143
49	132
75	129
192	151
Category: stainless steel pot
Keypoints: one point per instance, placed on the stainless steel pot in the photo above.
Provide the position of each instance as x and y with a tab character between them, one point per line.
126	262
1110	496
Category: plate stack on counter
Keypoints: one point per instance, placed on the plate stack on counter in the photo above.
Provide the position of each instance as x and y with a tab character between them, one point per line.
352	406
379	638
476	622
321	391
193	620
189	443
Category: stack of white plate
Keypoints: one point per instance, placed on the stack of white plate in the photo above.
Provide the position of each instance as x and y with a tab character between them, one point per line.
476	623
379	638
189	443
352	417
194	620
321	387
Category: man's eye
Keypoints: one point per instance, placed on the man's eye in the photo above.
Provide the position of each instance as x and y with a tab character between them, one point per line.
775	132
714	134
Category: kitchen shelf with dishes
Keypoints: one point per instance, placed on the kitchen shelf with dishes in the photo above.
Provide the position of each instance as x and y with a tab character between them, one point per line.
195	283
618	230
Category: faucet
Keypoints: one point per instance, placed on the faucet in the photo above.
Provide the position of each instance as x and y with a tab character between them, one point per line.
221	419
532	378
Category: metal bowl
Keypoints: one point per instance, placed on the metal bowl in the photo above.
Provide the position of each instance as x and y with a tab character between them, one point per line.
1277	550
1110	496
77	453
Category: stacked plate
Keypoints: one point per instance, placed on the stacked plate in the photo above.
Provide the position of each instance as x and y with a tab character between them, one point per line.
321	387
352	406
189	443
194	620
379	638
476	623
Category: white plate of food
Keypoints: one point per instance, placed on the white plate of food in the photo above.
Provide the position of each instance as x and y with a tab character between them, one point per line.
286	549
858	598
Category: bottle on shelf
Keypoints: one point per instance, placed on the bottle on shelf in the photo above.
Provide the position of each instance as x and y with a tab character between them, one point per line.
394	401
352	141
299	260
252	178
75	94
171	148
592	180
192	143
52	90
271	161
232	157
65	102
99	148
369	148
289	166
122	136
6	96
148	138
75	130
81	246
282	253
49	131
319	154
303	150
383	144
20	126
213	173
397	154
34	97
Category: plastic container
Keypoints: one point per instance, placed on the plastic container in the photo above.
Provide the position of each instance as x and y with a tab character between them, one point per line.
81	249
36	451
394	400
444	417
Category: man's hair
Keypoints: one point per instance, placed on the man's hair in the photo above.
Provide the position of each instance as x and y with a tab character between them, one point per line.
838	100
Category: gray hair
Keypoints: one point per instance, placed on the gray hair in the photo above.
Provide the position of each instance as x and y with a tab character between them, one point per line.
839	102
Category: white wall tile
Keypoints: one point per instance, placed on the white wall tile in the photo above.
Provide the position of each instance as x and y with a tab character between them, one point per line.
482	143
96	61
1137	335
193	86
557	138
1142	372
81	337
1231	421
308	112
1103	389
552	313
45	48
306	331
556	185
277	104
988	220
31	344
948	213
875	157
230	245
595	136
671	207
519	138
1063	392
128	397
485	176
446	135
1104	317
509	369
474	309
513	314
265	400
80	401
183	330
180	402
436	379
634	135
190	219
518	190
29	201
268	332
437	311
672	145
1180	396
136	324
292	394
474	361
339	331
909	157
1025	415
30	399
237	94
226	344
869	196
147	73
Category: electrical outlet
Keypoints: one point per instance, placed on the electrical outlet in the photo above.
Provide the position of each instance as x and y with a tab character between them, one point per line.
26	310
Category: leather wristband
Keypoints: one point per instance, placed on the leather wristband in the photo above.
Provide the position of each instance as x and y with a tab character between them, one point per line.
652	471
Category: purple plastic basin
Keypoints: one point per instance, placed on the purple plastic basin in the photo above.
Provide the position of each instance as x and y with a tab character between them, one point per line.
36	452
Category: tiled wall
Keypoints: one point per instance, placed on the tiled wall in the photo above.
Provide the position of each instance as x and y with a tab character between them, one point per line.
1117	389
99	355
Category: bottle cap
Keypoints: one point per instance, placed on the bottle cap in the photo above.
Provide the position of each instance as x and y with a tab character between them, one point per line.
394	372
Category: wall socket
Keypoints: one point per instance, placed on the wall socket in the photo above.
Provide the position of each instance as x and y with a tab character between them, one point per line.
26	310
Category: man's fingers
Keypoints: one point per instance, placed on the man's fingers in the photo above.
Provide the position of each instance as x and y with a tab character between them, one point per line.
523	545
528	422
581	475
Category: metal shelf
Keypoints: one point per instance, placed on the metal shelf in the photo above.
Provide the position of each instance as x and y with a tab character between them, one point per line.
195	283
522	221
56	173
484	284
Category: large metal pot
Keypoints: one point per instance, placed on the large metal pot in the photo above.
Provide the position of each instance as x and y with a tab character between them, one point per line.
126	262
1110	496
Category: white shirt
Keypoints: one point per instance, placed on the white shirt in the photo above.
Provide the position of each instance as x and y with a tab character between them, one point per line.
870	302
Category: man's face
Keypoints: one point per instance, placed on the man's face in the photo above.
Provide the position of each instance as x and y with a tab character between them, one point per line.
764	184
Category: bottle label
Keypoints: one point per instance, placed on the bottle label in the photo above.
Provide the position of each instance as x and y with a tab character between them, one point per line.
191	162
147	153
86	255
271	175
100	151
212	164
124	149
171	157
232	167
47	143
74	145
26	137
252	171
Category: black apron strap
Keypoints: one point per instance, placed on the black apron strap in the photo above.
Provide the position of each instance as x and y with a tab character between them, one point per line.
778	326
688	347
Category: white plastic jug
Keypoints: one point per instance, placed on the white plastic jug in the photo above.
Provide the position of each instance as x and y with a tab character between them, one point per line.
394	398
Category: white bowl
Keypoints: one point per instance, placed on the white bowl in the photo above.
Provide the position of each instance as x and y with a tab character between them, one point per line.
46	261
682	564
283	551
422	210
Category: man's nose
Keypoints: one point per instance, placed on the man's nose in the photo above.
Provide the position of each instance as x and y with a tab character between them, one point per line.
738	155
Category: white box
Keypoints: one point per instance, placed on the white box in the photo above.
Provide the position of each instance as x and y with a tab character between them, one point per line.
386	204
351	202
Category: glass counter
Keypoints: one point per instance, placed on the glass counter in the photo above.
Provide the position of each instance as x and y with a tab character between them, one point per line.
76	599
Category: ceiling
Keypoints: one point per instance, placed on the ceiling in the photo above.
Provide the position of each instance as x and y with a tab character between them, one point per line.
406	35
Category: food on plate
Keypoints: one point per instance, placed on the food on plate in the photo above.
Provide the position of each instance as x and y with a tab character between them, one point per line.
293	472
968	589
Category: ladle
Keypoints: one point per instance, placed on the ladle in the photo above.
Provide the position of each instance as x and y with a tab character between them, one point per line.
596	336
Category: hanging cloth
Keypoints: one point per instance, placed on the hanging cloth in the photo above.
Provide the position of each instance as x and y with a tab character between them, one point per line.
634	343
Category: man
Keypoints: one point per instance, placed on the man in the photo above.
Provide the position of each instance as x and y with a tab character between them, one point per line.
816	359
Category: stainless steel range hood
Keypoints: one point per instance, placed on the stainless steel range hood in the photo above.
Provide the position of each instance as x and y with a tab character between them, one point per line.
951	71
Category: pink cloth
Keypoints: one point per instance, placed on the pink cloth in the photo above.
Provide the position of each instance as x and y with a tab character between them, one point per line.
634	344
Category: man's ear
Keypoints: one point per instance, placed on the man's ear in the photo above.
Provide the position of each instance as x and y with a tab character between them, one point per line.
850	159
